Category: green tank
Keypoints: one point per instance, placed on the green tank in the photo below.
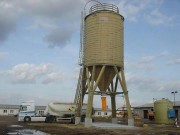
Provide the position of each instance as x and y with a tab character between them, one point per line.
161	108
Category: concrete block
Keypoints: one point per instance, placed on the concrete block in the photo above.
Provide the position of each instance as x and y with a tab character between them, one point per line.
114	120
88	122
130	122
77	120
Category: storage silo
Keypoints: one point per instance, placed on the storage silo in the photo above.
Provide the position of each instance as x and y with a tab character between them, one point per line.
103	42
103	38
161	108
102	57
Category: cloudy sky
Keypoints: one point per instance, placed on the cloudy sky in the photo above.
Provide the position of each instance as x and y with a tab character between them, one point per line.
39	49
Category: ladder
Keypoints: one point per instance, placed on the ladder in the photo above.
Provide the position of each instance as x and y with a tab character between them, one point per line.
79	89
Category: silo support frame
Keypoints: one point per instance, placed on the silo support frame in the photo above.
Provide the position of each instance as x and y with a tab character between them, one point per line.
113	91
124	88
90	92
90	81
113	105
91	88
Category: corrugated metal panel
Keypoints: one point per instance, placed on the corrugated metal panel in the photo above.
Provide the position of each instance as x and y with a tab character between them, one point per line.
5	106
103	42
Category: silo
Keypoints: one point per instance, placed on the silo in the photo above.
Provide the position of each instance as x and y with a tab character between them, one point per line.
161	108
103	42
103	38
103	57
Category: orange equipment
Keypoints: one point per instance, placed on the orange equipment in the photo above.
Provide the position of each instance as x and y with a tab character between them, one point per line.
103	99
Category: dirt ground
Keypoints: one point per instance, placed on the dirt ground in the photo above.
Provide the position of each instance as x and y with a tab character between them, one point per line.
70	129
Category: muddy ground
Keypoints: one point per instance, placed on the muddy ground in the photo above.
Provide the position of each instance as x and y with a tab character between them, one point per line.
70	129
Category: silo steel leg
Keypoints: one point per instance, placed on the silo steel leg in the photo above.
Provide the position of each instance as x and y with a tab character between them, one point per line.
91	89
113	100
88	119
124	88
113	106
116	83
130	117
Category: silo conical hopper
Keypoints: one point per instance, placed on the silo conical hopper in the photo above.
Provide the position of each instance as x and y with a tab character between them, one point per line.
106	78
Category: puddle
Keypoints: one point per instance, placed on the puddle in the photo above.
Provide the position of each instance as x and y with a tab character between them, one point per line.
20	131
15	126
27	132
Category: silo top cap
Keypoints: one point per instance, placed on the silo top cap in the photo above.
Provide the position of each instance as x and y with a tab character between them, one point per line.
103	6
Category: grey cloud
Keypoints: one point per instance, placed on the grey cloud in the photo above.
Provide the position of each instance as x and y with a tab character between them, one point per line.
157	18
30	73
45	8
147	59
3	54
54	13
144	66
52	9
58	37
174	62
6	27
164	53
140	83
18	98
55	77
145	84
131	9
147	62
7	20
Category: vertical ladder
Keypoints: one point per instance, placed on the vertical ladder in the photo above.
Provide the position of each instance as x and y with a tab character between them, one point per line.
81	49
79	89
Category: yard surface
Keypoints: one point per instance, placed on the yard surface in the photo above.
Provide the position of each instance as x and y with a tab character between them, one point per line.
70	129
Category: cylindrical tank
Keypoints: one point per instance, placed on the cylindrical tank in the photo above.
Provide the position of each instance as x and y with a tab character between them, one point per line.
103	36
161	108
59	109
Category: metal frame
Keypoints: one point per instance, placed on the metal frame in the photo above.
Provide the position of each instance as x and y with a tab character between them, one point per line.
104	6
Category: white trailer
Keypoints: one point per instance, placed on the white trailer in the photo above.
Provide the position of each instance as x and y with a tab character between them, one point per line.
62	112
54	112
